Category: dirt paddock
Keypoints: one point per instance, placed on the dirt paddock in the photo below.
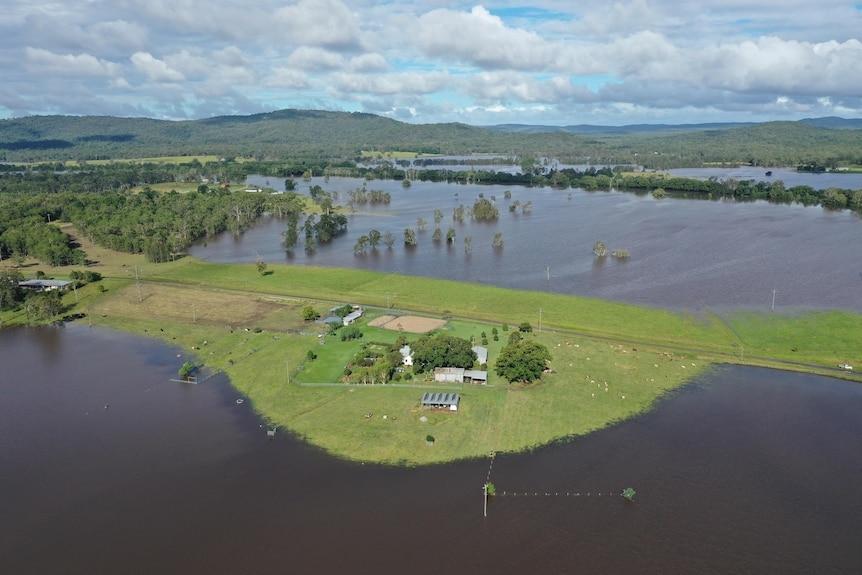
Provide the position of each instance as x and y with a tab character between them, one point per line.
408	323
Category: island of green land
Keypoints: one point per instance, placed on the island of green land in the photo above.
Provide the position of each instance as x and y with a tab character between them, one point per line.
610	361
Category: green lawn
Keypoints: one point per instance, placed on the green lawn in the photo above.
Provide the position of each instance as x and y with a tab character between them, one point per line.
610	361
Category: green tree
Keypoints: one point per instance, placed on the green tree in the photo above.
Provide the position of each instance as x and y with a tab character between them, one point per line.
45	305
374	238
484	210
11	295
309	313
442	351
600	249
450	236
522	361
410	237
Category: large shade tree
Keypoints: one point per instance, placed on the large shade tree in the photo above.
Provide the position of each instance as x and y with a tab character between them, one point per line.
442	351
523	360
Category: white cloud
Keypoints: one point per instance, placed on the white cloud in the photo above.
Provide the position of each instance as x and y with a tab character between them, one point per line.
309	58
328	23
44	61
154	69
482	39
427	61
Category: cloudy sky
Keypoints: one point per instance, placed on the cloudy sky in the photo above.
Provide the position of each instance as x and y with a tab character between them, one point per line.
553	62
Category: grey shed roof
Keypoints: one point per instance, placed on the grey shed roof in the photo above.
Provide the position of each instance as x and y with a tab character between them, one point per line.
434	399
44	283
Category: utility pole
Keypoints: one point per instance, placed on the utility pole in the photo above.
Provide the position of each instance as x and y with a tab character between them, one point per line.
485	492
773	300
194	315
287	366
138	283
540	320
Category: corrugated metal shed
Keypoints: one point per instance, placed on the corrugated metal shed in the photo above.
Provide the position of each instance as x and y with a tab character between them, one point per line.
436	400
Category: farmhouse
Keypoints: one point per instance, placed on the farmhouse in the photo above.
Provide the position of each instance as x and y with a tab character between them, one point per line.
446	401
354	315
406	355
44	285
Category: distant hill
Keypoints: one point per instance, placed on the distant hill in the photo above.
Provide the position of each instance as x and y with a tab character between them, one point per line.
831	122
627	129
834	123
299	135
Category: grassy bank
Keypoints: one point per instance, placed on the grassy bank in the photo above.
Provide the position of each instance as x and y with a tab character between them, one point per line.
611	361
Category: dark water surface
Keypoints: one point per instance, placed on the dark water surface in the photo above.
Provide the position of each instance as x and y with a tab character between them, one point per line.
685	253
743	471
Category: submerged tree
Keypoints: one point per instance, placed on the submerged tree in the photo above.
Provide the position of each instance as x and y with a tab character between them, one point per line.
410	237
600	249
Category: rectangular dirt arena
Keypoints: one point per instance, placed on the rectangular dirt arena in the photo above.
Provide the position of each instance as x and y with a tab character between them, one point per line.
408	323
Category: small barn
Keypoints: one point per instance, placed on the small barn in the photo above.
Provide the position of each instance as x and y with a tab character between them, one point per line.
449	374
477	376
481	354
443	401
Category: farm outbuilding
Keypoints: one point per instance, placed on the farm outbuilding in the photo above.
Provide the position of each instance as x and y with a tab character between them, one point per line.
481	354
449	374
447	401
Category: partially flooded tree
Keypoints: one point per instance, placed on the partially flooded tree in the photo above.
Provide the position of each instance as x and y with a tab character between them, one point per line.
410	237
600	249
497	242
389	240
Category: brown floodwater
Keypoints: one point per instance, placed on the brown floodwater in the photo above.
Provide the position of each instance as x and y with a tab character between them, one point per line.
692	254
106	466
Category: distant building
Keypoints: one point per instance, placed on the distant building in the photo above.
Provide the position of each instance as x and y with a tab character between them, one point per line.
353	316
44	285
442	401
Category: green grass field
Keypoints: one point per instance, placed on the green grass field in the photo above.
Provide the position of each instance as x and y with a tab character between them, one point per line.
610	361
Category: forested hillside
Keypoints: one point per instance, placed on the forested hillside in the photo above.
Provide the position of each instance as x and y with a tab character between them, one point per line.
316	135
